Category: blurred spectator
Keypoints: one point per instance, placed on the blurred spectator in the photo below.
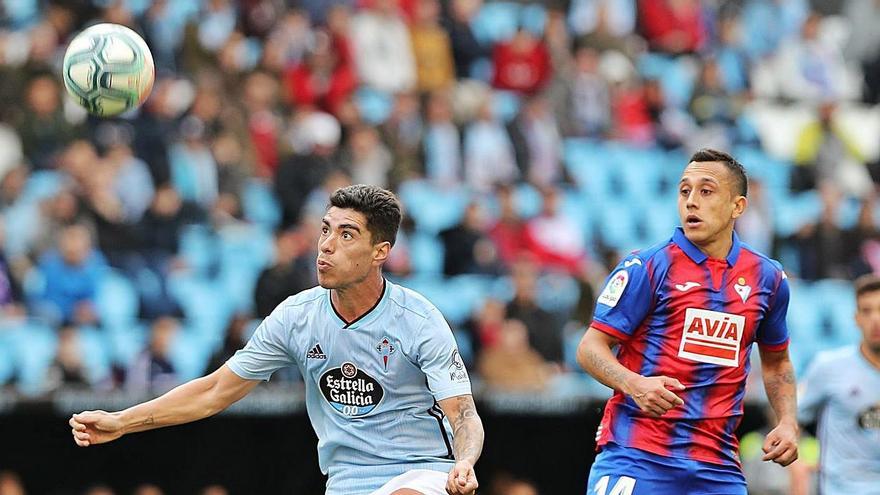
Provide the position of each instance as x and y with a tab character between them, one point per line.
12	185
604	25
485	325
67	369
214	490
232	172
508	233
10	484
152	370
810	68
631	119
156	125
511	365
431	48
61	210
826	152
504	484
99	490
43	127
863	240
147	489
767	24
442	142
10	148
324	79
234	340
71	274
383	52
670	126
821	244
404	131
11	294
590	100
193	169
555	240
756	227
368	159
731	55
263	124
131	179
672	26
317	136
467	247
711	103
488	153
537	139
521	64
466	49
292	271
545	332
863	45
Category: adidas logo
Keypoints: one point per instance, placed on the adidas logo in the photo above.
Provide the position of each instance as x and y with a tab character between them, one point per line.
316	353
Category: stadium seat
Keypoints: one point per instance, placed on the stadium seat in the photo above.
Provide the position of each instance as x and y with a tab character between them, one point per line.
426	254
557	293
590	165
527	200
34	345
245	250
505	105
116	300
533	17
495	22
374	105
837	299
124	344
676	75
260	204
432	208
206	309
198	249
41	185
189	354
95	351
794	211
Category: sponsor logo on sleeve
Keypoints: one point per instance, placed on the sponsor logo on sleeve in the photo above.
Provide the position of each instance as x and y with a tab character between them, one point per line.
457	371
614	289
711	337
351	391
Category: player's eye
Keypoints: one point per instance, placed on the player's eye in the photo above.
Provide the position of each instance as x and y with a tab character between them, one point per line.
346	235
325	230
684	192
705	192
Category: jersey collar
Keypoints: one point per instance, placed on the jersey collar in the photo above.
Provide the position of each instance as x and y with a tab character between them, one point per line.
369	315
698	256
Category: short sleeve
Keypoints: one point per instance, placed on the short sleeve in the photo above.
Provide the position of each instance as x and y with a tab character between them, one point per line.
267	350
811	391
437	356
625	300
772	334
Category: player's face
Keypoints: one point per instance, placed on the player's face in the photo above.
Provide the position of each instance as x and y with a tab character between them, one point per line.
346	252
868	318
708	202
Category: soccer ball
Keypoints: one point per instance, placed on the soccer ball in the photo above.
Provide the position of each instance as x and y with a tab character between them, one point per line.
108	69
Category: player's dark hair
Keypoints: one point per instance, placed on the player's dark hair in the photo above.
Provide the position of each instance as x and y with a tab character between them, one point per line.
867	283
380	207
733	166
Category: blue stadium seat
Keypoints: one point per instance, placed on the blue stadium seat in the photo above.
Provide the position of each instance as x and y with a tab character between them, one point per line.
42	184
533	17
773	172
245	250
528	200
557	293
95	351
126	343
34	346
837	299
505	105
260	205
590	164
804	323
198	248
374	105
496	21
433	209
792	212
676	76
426	254
206	309
116	300
189	354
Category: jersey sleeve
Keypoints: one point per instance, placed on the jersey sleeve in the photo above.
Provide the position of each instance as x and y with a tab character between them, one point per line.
625	301
772	333
267	350
811	391
437	356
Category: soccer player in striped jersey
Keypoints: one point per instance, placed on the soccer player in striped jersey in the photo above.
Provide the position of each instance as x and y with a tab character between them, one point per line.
683	316
386	390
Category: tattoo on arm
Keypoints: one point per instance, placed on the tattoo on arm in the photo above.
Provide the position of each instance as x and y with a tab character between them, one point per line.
605	371
467	430
780	385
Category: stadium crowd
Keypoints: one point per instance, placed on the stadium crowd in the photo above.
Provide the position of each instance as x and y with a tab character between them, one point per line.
532	144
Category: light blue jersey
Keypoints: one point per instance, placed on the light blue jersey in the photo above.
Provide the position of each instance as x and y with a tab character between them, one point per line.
842	389
372	385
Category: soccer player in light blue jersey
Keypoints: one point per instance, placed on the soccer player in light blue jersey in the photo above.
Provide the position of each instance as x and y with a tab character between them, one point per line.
842	389
386	390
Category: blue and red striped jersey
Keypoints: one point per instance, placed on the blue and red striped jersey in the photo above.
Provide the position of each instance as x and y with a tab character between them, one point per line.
679	313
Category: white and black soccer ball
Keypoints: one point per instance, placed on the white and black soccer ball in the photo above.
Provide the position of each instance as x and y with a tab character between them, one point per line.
108	69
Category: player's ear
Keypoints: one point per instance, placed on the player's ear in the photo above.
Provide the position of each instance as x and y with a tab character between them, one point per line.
739	206
381	252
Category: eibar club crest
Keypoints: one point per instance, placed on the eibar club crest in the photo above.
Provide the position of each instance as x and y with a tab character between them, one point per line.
386	349
742	289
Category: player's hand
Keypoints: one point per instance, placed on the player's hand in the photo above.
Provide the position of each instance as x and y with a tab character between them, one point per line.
780	446
462	479
94	427
654	394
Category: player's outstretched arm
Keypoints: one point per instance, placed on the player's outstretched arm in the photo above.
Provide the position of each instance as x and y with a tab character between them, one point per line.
467	429
652	394
189	402
780	446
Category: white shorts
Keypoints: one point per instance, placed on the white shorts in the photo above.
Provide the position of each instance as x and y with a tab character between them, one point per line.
425	481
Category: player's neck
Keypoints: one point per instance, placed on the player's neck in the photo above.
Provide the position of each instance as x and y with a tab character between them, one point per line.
872	357
719	247
356	300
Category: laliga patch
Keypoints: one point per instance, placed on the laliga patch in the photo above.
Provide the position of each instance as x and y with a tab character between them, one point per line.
711	337
614	289
351	391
